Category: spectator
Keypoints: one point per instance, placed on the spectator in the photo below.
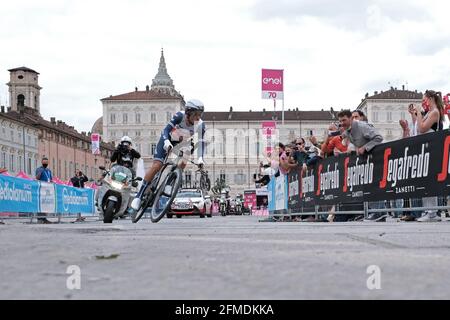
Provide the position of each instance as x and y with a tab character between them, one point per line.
79	179
358	115
364	137
430	121
334	144
285	163
43	173
300	156
265	172
315	154
333	131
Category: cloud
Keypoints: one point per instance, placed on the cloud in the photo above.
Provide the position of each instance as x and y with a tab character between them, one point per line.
332	52
350	14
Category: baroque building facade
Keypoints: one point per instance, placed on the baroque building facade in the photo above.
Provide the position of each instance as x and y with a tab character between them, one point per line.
141	115
386	108
25	129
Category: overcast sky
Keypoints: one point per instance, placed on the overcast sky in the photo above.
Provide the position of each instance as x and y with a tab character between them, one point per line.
333	52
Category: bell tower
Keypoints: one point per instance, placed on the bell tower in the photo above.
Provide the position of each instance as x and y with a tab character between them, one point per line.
24	89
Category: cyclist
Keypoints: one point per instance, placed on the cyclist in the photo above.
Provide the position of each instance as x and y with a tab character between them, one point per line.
182	125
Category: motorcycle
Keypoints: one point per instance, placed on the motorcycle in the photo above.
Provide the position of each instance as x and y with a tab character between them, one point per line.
238	207
117	190
232	209
223	207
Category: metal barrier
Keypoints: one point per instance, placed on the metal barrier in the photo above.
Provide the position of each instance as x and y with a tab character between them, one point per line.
366	208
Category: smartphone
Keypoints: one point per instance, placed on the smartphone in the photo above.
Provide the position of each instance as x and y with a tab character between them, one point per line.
334	133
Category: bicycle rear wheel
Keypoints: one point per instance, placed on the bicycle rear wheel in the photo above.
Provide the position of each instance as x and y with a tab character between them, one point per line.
205	184
165	194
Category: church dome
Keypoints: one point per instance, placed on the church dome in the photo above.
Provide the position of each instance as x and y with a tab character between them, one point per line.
98	126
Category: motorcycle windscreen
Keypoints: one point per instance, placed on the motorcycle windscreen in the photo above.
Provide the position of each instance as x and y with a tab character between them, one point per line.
120	174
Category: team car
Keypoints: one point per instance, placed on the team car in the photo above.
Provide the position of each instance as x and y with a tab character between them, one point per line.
191	202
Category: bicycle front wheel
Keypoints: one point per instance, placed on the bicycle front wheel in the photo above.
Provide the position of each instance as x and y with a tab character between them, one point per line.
165	194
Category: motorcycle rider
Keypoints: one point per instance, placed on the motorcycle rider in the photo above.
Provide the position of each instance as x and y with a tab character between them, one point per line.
124	154
183	123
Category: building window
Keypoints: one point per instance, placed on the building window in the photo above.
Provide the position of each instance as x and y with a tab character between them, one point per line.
12	135
11	163
138	118
3	160
239	178
402	115
153	133
222	176
21	100
19	163
29	165
389	116
153	118
188	179
168	116
65	169
125	133
125	118
375	116
113	118
153	148
138	133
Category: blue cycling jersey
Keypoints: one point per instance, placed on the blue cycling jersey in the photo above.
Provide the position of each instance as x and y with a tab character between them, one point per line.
178	129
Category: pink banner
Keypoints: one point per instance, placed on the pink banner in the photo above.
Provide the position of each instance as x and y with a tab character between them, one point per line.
95	142
268	131
250	199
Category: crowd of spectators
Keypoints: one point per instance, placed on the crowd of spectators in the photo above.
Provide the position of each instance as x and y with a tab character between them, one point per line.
353	133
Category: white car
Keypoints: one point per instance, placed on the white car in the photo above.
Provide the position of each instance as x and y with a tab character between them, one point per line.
191	202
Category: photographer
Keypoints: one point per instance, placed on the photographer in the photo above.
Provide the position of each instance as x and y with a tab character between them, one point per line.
265	172
124	154
79	179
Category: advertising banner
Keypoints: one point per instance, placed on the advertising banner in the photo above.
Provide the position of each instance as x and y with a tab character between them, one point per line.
18	195
414	167
272	84
294	179
47	197
95	143
269	136
281	194
250	198
70	200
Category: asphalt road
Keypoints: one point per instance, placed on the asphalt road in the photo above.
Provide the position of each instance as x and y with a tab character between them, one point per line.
225	258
